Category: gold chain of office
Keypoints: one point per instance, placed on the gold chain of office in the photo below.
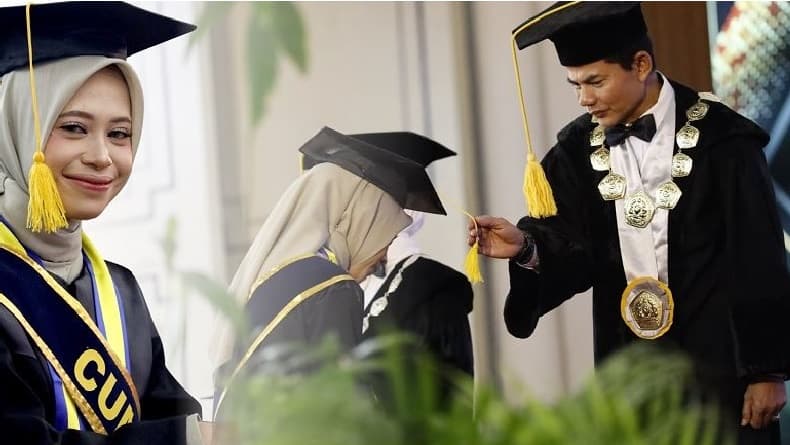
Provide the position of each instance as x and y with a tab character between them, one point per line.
639	206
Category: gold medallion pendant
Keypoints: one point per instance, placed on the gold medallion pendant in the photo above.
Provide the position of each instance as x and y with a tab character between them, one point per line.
639	209
612	187
597	136
668	195
681	165
647	307
600	160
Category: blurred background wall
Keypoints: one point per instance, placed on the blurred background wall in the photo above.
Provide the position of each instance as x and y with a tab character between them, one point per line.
216	162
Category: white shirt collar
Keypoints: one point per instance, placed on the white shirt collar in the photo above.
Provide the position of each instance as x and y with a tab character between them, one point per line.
663	105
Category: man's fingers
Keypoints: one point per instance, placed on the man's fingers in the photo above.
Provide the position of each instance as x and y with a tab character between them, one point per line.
746	412
760	417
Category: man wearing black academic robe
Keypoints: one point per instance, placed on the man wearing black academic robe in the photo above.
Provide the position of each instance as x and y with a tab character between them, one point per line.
726	260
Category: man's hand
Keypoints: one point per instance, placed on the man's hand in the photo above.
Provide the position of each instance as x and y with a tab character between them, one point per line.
496	237
762	403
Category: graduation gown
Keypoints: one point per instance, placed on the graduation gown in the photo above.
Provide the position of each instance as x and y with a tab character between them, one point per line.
301	305
432	302
27	400
726	258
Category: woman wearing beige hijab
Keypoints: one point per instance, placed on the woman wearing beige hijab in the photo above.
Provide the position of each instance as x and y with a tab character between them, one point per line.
80	359
299	279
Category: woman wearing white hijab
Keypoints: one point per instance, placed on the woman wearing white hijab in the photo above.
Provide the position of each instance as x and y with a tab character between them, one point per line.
80	359
299	279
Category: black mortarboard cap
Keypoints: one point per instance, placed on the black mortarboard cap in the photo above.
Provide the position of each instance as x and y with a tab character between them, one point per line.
401	177
413	146
70	29
584	32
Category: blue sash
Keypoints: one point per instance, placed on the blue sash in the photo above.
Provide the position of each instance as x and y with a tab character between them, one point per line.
90	362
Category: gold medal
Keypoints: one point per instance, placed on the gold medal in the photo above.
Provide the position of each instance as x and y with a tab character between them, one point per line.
687	137
600	159
697	111
668	195
612	187
596	136
639	209
647	307
681	165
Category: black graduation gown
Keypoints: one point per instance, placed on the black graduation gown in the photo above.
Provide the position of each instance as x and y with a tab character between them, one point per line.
334	310
27	402
432	302
727	267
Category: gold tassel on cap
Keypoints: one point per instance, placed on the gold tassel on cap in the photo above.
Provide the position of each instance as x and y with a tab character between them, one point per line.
537	190
45	212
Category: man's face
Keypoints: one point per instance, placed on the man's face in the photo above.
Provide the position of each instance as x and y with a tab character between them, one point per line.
610	93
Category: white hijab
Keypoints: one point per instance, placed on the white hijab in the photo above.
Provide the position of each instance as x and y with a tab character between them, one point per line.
325	207
56	83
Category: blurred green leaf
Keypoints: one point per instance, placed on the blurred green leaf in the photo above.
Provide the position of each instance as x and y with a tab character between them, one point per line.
332	407
290	32
218	297
261	63
211	14
273	29
168	242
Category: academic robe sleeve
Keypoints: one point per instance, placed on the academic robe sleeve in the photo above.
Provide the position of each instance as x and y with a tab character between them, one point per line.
337	310
563	243
756	269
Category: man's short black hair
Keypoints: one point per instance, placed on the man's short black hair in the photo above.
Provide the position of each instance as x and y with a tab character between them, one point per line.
625	56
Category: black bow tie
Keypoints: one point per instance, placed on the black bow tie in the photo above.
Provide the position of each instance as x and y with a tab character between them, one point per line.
644	128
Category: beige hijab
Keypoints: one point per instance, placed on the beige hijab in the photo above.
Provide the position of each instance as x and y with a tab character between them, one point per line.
56	83
326	207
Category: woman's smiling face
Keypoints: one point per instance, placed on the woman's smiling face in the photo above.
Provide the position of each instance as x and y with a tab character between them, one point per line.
90	147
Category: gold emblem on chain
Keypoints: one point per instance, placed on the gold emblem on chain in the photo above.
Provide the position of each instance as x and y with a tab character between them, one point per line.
687	137
697	111
612	187
647	307
597	136
681	165
668	195
600	159
639	209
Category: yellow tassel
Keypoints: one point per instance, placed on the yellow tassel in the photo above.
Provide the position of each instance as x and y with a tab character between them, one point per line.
537	191
45	210
472	266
